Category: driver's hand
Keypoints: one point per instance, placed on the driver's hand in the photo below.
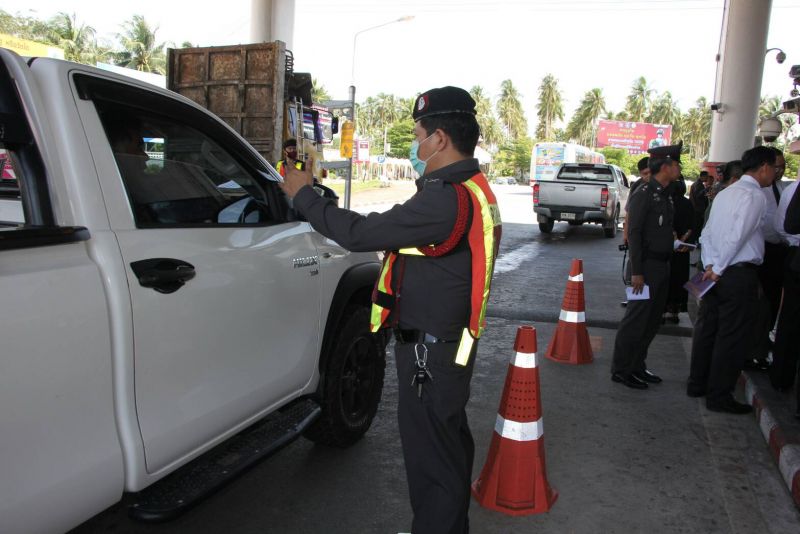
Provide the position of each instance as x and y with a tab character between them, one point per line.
295	180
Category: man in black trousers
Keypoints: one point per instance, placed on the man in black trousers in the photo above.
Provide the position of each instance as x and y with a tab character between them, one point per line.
733	248
650	242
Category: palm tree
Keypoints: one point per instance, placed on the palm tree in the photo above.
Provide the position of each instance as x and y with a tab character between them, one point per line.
696	128
581	127
140	50
637	106
550	107
509	110
77	40
490	129
665	111
318	92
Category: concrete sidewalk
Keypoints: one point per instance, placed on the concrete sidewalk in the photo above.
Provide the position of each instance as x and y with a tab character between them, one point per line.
624	460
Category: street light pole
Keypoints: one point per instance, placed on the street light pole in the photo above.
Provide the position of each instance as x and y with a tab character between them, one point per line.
353	99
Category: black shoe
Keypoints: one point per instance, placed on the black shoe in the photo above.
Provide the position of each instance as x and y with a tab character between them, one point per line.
695	391
728	405
647	376
624	303
629	380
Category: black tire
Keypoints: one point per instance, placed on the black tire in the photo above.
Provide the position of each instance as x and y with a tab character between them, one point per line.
352	382
546	227
610	229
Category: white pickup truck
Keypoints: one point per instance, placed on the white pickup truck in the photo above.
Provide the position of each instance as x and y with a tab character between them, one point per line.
582	192
166	319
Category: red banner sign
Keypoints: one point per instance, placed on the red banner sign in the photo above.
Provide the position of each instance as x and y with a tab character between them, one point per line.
635	137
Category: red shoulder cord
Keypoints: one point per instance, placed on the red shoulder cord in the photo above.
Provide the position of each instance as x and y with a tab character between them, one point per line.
458	228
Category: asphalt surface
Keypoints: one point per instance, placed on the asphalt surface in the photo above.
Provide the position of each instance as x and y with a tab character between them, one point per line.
621	460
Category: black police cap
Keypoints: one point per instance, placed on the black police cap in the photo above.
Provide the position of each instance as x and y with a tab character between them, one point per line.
672	152
289	142
443	100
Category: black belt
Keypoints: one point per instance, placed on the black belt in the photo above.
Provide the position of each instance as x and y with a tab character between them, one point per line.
744	265
403	335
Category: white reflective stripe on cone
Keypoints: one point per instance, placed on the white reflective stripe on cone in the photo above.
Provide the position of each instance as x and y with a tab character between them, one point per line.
525	360
577	278
572	317
519	431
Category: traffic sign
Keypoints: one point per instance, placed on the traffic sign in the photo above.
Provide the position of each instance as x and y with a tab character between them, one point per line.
346	146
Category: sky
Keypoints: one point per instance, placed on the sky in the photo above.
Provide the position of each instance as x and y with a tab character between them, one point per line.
584	43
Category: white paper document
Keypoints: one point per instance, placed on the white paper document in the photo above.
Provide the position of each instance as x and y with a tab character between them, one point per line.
644	295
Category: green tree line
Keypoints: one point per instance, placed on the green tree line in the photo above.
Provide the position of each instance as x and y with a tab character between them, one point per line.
135	46
386	118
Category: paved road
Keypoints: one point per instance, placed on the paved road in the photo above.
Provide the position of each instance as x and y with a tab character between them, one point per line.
622	460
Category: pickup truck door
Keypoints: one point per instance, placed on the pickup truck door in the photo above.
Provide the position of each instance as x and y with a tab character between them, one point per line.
224	291
60	457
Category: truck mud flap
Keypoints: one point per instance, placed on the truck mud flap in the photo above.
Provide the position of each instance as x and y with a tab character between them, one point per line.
179	491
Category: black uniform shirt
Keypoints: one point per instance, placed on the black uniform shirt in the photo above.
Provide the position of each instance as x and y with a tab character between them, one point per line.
650	220
435	291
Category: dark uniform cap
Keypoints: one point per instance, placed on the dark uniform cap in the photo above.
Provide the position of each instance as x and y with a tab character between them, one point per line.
672	152
443	100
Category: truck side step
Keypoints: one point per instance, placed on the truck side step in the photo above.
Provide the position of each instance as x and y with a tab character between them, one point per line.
179	491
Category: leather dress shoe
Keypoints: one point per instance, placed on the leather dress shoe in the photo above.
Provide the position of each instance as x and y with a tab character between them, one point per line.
759	364
728	405
695	391
629	380
647	376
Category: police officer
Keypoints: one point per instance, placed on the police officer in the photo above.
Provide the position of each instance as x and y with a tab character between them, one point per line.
441	245
650	242
289	158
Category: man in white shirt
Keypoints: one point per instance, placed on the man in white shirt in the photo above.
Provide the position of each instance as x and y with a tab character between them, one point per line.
787	337
770	273
732	249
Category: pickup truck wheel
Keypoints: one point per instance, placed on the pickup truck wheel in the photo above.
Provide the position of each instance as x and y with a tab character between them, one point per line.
546	227
353	382
610	228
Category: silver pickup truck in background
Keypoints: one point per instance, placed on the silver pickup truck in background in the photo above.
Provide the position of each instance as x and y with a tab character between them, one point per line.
582	192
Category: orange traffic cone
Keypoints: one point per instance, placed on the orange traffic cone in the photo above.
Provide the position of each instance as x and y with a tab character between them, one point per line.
513	479
570	343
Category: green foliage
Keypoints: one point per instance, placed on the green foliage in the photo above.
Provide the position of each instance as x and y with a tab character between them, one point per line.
491	133
513	158
510	112
621	158
399	136
318	92
581	127
792	162
690	167
639	102
140	49
550	108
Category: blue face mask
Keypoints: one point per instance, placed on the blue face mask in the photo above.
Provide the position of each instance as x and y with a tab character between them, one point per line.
419	164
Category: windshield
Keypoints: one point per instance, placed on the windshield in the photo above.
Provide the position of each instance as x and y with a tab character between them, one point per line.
588	172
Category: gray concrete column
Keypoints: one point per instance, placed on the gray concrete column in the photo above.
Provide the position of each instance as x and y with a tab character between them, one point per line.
740	67
272	20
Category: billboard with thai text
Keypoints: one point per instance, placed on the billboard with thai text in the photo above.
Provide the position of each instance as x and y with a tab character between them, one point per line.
635	137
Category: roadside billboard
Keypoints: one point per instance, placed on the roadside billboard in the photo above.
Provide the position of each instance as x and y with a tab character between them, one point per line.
635	137
27	48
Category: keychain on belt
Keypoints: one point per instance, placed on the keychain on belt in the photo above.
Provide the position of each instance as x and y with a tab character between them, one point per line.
421	371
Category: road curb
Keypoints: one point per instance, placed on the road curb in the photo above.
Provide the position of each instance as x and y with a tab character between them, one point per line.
786	455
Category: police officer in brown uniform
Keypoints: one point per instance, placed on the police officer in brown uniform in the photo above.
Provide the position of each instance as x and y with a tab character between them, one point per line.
432	292
650	242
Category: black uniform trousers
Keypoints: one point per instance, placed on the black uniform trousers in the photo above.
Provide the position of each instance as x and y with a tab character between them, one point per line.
437	443
787	338
642	320
770	275
723	333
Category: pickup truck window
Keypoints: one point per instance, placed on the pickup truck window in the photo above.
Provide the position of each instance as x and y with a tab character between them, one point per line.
175	175
589	172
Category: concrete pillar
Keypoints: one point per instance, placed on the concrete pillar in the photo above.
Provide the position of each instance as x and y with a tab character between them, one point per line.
272	20
740	67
